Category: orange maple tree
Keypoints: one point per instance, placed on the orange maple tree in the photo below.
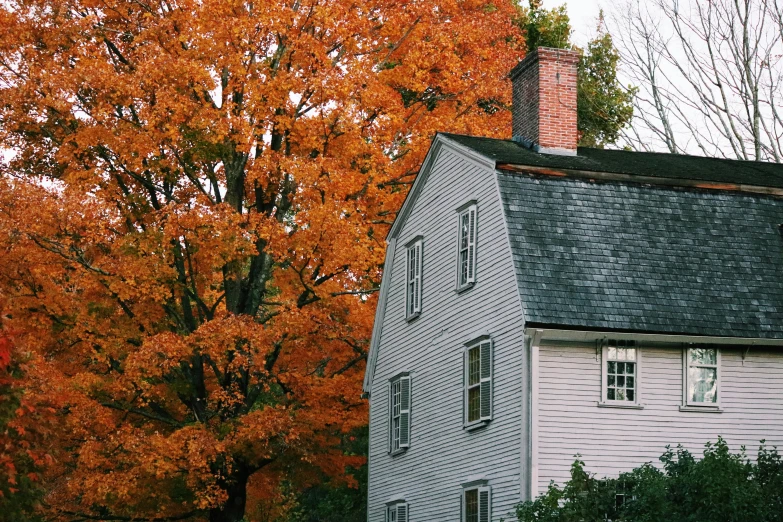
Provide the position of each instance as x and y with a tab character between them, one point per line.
192	212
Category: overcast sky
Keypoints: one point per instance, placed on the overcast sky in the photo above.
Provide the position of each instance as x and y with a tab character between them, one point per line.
583	15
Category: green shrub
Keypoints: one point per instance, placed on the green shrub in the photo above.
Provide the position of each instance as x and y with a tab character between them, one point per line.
720	487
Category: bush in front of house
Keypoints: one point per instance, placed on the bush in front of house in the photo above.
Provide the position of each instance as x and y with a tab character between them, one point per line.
720	487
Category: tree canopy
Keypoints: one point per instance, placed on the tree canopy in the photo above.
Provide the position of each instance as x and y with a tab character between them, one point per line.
192	211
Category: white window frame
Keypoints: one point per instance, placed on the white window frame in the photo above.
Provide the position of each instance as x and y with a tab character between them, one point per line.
479	489
484	384
686	364
470	210
605	401
393	511
413	278
399	440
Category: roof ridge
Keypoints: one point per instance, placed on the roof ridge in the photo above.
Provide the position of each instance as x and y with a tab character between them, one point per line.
661	165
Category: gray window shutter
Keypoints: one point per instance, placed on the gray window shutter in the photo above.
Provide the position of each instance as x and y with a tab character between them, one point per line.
485	504
405	412
472	245
417	281
486	380
389	418
464	387
402	512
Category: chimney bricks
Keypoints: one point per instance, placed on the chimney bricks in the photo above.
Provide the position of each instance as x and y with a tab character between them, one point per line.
544	101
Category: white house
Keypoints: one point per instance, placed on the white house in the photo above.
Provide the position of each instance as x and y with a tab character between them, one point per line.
541	301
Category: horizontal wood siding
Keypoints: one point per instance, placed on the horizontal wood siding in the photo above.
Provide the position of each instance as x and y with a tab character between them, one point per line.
442	454
612	440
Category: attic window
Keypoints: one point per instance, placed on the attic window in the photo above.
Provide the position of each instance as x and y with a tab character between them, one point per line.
466	251
413	267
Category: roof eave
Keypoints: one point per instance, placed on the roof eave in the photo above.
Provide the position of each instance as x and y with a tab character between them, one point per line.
585	334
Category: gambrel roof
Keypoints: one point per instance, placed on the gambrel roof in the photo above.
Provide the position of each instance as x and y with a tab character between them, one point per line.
619	241
682	244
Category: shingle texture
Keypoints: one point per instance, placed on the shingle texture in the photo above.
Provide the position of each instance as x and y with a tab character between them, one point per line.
635	163
632	257
628	256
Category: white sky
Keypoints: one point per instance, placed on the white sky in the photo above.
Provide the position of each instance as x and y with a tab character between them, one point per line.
583	15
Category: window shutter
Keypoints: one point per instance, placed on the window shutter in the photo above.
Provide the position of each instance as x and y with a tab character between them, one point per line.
389	423
402	512
462	506
486	380
405	412
413	269
417	276
471	245
485	504
464	387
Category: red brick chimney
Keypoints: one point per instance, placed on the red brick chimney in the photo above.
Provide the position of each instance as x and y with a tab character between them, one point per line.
544	99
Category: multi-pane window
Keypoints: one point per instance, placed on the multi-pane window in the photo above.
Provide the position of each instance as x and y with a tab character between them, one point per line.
399	413
395	414
476	504
621	371
478	382
413	280
701	375
466	268
397	512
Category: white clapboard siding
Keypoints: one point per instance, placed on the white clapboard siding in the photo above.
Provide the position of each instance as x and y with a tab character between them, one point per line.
442	455
612	440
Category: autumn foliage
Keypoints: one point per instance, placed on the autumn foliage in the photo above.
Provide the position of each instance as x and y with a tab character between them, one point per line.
193	208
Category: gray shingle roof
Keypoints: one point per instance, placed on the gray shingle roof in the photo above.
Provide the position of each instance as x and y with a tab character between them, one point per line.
627	256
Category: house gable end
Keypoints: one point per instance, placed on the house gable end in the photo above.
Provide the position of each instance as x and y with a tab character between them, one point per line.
439	144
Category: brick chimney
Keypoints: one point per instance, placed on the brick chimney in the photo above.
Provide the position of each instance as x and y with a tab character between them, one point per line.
544	101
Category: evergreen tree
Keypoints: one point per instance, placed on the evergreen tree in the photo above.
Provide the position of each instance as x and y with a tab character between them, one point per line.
604	106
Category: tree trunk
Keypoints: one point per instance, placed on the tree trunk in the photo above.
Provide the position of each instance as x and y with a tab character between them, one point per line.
233	510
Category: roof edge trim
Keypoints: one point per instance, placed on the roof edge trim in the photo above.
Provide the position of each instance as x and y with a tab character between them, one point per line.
643	180
380	311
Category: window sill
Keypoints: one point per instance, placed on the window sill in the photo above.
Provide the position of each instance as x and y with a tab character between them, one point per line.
398	452
475	425
465	288
702	409
412	317
622	406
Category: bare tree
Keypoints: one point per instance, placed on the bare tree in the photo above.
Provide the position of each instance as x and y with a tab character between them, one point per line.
710	75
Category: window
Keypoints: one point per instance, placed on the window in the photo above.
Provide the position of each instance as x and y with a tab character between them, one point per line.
399	413
476	504
413	280
702	376
466	268
478	382
397	512
623	492
620	373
